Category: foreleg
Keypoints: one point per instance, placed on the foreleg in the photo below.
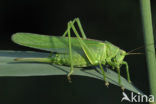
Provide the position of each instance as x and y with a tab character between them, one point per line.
127	71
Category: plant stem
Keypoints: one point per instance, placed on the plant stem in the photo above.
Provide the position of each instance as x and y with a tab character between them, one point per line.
148	39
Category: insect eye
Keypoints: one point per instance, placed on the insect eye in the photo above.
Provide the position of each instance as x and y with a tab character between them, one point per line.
120	53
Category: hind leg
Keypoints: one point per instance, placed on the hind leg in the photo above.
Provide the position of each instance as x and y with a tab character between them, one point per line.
77	20
70	53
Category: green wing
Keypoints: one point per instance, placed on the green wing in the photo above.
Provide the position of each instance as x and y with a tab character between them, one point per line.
57	44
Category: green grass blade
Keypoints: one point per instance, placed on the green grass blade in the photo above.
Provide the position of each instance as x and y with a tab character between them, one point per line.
148	39
10	68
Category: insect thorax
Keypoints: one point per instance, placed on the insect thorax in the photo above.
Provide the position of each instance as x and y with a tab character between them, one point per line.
115	55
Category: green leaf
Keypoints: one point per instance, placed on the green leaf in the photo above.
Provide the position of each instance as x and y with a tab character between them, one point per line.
11	68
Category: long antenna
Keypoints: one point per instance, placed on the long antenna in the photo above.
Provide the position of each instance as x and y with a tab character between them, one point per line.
134	53
139	48
136	49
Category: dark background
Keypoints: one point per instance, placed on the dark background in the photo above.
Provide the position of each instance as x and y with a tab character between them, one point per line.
117	21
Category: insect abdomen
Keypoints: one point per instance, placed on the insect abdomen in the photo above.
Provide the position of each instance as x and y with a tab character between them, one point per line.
64	59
